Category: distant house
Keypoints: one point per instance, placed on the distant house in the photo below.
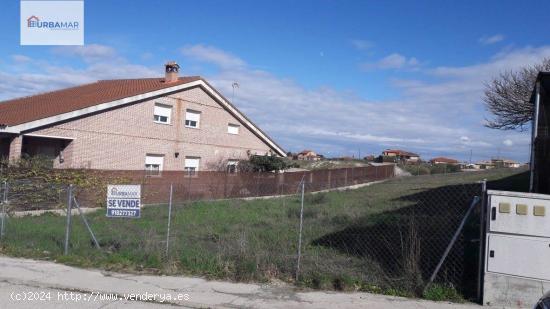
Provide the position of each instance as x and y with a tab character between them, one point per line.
485	165
510	163
443	160
500	163
402	155
308	155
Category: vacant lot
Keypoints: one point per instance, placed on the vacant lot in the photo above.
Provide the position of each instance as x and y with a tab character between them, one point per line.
383	238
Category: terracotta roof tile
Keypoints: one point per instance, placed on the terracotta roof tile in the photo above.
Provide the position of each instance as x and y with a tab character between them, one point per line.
26	109
402	152
444	160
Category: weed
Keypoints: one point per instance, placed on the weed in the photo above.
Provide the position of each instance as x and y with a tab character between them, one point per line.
442	292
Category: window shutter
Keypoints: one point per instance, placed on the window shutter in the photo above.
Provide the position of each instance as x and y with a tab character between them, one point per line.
192	162
233	128
154	159
163	110
192	115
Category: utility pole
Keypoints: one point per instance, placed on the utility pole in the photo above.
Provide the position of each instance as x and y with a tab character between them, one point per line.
470	156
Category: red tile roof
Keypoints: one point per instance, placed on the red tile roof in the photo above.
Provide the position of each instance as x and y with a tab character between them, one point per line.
444	160
26	109
401	152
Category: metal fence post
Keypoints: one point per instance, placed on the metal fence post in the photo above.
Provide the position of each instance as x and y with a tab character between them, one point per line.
346	178
4	202
68	224
300	232
83	217
258	184
169	219
482	226
190	175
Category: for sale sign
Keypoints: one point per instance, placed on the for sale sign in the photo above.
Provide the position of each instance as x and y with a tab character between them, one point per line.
123	201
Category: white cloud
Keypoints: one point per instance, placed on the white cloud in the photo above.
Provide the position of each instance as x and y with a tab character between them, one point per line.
211	54
44	76
392	61
488	40
20	58
440	117
89	52
362	44
508	142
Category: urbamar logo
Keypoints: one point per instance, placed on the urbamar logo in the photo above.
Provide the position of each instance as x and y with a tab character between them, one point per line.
52	22
35	22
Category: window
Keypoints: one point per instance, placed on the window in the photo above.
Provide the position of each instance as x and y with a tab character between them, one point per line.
232	166
191	165
233	128
192	118
153	164
162	113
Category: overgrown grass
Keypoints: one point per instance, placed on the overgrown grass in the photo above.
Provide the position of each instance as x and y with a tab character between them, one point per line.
253	240
442	292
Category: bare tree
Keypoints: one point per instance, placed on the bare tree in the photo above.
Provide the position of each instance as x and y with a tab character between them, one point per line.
508	96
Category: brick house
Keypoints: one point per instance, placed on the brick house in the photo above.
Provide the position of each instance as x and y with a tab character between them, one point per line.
401	155
308	155
171	123
443	160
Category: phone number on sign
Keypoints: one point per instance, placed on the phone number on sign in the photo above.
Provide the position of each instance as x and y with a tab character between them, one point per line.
122	212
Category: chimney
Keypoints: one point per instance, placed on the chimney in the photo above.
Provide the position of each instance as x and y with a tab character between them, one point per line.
172	69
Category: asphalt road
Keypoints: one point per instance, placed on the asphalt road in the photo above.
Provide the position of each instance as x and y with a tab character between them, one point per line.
41	284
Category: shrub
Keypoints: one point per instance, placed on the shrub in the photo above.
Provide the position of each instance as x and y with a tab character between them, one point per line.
444	168
418	169
263	164
35	184
442	292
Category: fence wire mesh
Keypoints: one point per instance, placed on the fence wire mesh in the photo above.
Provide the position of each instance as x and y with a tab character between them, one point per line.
387	237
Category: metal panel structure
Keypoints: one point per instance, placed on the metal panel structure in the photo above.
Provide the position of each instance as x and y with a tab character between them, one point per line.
514	213
517	251
519	256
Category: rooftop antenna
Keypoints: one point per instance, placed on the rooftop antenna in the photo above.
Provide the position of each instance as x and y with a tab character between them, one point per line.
234	85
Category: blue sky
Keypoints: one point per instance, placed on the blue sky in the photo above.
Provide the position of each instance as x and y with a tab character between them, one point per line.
334	76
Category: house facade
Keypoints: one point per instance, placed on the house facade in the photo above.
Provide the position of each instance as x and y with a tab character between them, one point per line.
172	123
443	160
308	155
402	155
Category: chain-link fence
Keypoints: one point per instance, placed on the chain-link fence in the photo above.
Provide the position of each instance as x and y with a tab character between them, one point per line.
389	237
